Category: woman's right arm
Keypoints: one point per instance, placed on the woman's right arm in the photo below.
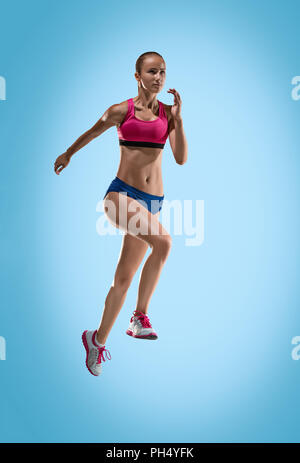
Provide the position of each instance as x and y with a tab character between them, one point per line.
112	116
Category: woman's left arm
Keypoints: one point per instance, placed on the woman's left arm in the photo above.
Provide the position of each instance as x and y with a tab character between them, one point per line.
177	137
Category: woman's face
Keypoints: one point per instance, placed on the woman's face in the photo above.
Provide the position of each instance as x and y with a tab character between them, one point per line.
153	72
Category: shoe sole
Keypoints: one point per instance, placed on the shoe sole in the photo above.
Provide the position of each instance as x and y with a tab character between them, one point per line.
83	337
149	336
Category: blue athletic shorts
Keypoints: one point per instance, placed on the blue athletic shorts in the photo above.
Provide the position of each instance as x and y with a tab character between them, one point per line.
152	202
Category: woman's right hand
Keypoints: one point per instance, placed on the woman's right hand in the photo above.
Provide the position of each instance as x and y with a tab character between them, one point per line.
61	162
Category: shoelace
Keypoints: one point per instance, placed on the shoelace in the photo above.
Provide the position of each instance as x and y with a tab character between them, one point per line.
101	354
144	320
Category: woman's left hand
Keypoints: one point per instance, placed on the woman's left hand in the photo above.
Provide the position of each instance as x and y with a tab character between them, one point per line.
176	108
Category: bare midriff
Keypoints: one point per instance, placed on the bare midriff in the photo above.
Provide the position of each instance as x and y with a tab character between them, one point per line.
140	167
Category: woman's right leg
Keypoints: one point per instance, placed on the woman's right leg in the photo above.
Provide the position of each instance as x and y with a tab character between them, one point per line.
154	235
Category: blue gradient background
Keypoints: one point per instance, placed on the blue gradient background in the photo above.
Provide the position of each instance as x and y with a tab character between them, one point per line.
225	311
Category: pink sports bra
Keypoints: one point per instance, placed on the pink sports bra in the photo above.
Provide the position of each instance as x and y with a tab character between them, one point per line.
135	132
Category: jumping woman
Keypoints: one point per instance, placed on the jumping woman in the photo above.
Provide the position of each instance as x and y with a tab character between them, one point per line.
143	125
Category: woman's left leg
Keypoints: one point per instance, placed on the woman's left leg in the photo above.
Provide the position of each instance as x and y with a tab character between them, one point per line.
132	253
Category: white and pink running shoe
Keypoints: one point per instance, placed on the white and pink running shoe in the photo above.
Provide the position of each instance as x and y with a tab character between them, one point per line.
94	352
140	326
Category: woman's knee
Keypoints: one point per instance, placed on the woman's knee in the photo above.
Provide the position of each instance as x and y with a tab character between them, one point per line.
122	281
162	244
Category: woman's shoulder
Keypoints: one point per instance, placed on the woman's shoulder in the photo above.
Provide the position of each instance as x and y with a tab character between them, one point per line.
122	107
118	111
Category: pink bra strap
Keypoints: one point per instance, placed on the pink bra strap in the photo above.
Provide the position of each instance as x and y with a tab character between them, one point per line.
163	112
160	109
130	106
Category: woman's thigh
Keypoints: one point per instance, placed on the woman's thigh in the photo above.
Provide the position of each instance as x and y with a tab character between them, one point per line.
131	255
129	215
